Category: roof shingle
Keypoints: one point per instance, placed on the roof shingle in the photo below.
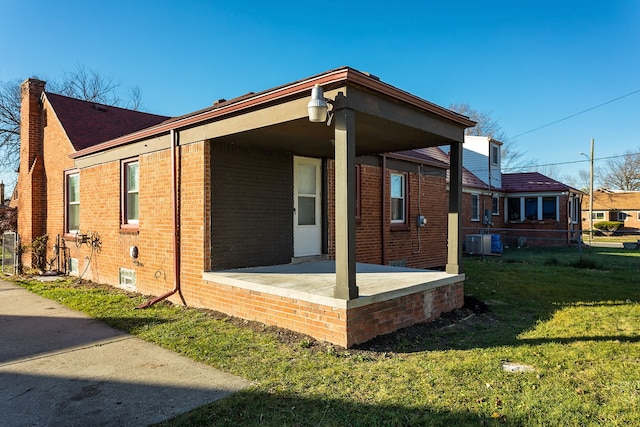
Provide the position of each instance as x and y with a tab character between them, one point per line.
532	181
88	123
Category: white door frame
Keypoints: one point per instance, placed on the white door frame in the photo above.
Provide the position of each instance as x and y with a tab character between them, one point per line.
307	206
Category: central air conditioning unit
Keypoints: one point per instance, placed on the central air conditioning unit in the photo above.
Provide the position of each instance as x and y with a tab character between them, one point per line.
478	244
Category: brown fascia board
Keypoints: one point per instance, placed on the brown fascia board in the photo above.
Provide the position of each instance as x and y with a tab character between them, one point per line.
416	159
329	79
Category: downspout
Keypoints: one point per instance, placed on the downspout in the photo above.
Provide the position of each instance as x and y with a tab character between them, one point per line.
176	228
384	210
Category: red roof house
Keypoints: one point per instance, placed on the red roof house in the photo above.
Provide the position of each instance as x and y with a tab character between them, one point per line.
342	230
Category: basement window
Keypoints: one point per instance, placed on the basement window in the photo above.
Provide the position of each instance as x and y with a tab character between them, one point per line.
73	266
128	279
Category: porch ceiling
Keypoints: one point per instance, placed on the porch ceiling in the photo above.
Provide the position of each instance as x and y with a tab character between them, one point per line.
301	137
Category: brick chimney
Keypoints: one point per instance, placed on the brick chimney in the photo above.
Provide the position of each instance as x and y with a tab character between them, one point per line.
32	196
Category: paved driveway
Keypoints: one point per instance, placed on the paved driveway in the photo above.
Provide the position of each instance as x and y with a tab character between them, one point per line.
59	367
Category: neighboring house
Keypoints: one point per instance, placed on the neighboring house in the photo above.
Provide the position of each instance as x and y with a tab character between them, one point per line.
248	208
522	208
608	205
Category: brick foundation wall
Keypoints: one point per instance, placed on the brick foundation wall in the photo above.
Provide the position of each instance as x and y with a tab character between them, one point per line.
344	327
365	323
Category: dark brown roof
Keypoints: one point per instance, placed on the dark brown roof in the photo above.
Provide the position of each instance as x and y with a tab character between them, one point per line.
88	123
532	182
421	155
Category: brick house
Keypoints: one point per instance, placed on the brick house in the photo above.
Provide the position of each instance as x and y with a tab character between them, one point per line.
526	208
248	208
608	205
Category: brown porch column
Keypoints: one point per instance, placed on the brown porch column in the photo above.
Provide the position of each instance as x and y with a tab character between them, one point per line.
454	243
345	202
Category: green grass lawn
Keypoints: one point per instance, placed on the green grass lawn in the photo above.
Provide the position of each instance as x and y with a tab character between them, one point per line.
578	329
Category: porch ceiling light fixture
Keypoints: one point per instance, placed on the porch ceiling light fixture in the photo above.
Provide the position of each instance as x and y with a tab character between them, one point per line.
318	107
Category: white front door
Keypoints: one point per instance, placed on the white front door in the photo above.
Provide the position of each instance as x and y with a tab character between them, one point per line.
307	201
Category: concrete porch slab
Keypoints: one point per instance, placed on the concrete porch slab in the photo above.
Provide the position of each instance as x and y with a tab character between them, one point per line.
314	282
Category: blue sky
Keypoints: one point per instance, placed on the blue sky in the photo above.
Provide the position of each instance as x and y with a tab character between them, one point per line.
527	63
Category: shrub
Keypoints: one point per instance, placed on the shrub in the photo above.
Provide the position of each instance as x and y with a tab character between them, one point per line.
608	227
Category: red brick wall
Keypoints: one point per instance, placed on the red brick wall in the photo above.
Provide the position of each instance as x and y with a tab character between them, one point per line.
486	202
419	247
538	233
32	197
154	238
343	327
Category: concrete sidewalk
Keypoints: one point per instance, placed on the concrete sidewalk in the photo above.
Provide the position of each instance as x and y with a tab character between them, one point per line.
59	367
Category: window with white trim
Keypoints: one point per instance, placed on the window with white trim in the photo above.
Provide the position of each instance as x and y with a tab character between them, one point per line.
514	209
622	216
495	205
598	216
398	193
549	207
131	192
533	208
475	207
495	155
72	195
574	209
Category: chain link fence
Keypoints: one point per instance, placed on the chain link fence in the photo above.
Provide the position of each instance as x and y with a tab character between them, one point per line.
521	244
9	253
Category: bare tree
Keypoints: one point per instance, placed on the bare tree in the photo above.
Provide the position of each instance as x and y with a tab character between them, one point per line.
581	182
622	172
552	171
9	125
513	160
83	84
88	85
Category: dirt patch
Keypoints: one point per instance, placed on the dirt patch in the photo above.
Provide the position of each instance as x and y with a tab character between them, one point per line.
418	337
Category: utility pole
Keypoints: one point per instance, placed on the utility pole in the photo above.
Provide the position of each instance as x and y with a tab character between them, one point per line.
590	191
591	195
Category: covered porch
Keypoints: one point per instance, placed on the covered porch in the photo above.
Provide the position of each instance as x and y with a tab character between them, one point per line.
368	117
339	301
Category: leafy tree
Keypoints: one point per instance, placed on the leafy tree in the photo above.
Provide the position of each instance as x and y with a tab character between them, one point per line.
83	84
622	172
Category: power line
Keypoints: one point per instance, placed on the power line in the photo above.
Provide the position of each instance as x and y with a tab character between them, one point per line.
576	114
570	163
